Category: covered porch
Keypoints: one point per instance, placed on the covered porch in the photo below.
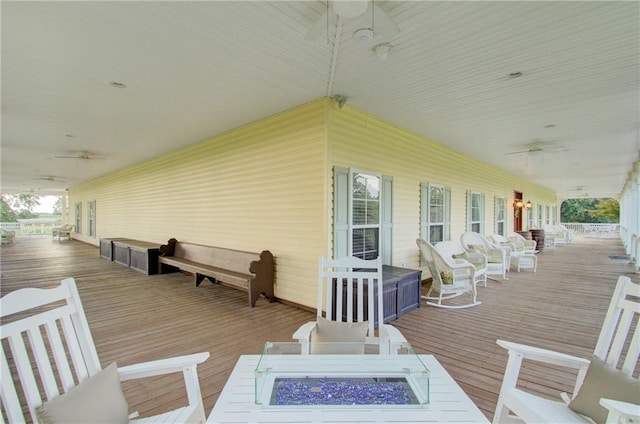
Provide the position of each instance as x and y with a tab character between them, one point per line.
135	317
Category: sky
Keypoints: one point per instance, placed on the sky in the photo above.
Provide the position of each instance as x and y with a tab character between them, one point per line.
46	204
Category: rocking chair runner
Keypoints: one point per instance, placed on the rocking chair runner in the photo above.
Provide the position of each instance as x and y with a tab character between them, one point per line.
597	379
49	326
449	280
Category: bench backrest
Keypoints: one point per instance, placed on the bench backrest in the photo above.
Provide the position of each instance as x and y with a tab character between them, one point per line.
234	260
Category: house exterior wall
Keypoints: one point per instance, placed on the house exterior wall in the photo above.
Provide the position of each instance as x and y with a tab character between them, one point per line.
257	187
361	140
268	185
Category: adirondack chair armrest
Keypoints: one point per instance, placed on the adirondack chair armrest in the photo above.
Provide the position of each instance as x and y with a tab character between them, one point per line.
305	331
161	366
545	355
617	410
391	333
303	336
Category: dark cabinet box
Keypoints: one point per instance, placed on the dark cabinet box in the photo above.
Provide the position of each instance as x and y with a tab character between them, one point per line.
400	291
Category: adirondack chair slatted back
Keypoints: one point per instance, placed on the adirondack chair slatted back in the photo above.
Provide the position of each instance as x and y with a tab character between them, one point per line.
342	286
621	327
46	343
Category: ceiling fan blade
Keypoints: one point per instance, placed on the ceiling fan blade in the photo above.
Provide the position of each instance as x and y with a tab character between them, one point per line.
383	23
518	153
84	155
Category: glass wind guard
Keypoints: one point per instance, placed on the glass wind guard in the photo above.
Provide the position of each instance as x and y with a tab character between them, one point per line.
341	375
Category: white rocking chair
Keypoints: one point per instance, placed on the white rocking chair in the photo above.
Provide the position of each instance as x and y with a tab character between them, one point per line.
449	279
497	258
519	258
617	331
455	254
346	305
529	246
49	326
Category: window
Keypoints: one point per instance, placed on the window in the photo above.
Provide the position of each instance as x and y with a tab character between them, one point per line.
475	212
79	217
362	214
365	215
554	214
501	215
549	222
435	212
530	224
91	218
540	216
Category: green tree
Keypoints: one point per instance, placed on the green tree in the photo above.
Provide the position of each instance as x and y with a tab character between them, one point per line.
607	210
57	206
586	211
15	206
6	213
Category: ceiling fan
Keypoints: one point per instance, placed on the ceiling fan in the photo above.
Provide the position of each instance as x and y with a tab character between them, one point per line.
539	147
81	155
50	178
380	22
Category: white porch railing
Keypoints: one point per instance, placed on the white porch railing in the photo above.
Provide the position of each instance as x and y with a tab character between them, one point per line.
594	230
28	227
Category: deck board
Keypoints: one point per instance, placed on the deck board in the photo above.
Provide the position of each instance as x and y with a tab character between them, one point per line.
135	317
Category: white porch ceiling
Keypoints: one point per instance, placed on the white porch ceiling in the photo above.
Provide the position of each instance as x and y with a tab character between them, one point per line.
196	69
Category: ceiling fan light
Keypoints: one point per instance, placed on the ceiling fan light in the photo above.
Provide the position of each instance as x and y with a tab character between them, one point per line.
382	50
350	8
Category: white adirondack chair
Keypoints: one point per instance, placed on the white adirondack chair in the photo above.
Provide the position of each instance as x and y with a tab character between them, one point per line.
347	303
617	331
455	254
449	279
50	326
497	258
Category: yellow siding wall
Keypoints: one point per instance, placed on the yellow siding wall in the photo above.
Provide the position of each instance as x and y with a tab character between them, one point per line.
365	142
258	187
268	185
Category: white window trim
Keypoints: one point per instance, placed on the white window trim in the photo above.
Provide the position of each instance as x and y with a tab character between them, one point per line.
530	218
425	215
540	216
78	217
470	223
342	213
353	226
500	202
91	218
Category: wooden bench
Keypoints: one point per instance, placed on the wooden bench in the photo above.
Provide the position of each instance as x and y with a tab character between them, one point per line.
248	271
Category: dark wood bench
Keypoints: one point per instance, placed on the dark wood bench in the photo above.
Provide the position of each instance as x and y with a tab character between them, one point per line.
248	271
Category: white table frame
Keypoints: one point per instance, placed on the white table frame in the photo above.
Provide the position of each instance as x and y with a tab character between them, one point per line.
448	403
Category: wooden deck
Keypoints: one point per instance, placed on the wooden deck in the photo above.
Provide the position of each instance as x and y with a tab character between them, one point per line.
135	317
